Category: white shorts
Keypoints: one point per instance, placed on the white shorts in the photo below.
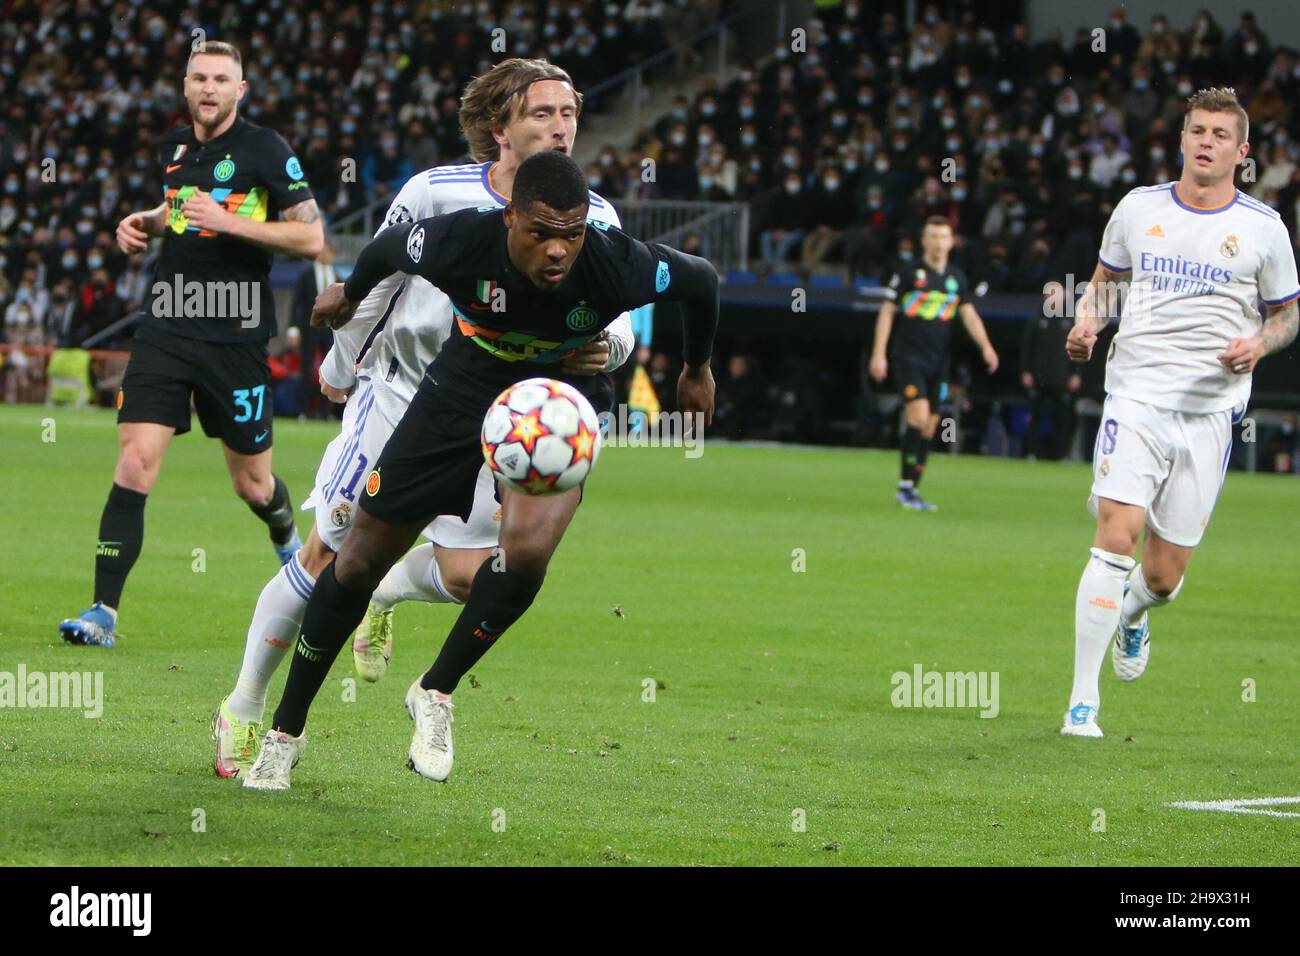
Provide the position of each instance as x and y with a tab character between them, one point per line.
348	460
1170	463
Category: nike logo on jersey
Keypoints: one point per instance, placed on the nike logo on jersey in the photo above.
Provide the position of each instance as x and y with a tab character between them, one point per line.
172	169
1156	231
262	436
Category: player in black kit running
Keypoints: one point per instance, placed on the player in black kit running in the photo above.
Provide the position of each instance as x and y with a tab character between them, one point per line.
563	280
207	319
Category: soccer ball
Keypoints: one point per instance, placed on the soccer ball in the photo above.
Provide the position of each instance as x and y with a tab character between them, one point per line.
541	437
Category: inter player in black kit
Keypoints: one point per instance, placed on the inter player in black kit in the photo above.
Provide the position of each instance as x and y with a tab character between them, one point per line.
555	269
206	321
928	297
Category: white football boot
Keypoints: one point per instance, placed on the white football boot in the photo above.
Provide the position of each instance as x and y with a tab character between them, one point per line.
431	753
1080	721
1131	647
280	754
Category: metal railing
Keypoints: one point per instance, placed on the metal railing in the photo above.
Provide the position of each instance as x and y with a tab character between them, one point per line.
723	227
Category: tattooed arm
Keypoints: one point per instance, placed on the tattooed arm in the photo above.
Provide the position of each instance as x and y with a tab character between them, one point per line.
301	233
1242	355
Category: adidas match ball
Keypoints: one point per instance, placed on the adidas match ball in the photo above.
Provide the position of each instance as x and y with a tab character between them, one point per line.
541	437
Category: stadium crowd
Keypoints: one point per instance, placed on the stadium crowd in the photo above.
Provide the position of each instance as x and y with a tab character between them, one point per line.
1023	143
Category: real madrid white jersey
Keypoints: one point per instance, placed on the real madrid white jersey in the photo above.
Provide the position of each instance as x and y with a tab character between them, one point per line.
1197	276
404	321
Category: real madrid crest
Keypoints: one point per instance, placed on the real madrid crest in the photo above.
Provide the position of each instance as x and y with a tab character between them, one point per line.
341	516
1104	470
1230	248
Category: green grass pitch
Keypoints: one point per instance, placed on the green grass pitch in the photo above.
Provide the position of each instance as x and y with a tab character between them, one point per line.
771	738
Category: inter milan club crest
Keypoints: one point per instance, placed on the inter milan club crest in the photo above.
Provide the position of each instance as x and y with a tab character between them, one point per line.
1230	247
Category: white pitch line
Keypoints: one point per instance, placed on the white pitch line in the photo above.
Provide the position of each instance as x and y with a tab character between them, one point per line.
1241	806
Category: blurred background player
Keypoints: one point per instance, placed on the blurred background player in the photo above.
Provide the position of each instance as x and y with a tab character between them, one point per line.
928	295
225	181
518	108
1198	255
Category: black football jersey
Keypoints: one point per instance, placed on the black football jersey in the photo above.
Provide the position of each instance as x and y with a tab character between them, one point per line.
506	329
252	172
927	303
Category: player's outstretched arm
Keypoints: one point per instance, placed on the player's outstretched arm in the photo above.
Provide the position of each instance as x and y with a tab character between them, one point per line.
1280	326
694	284
401	248
1095	307
975	329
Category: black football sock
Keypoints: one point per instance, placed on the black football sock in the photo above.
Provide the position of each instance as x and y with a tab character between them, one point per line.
332	614
907	447
496	600
121	535
922	453
277	513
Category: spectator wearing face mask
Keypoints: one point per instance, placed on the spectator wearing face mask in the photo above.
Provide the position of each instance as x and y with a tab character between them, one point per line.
866	242
99	303
1140	103
65	321
28	294
388	166
676	174
1248	49
784	221
1106	164
1160	42
1006	216
830	213
710	186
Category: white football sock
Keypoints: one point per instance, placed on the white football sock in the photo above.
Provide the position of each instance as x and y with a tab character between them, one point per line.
415	578
1139	597
1096	615
271	635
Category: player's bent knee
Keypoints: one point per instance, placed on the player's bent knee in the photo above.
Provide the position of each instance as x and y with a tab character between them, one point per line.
315	555
136	470
353	568
253	489
1160	582
527	556
457	585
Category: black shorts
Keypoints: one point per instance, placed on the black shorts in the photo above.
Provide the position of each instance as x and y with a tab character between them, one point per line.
230	383
919	377
430	465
